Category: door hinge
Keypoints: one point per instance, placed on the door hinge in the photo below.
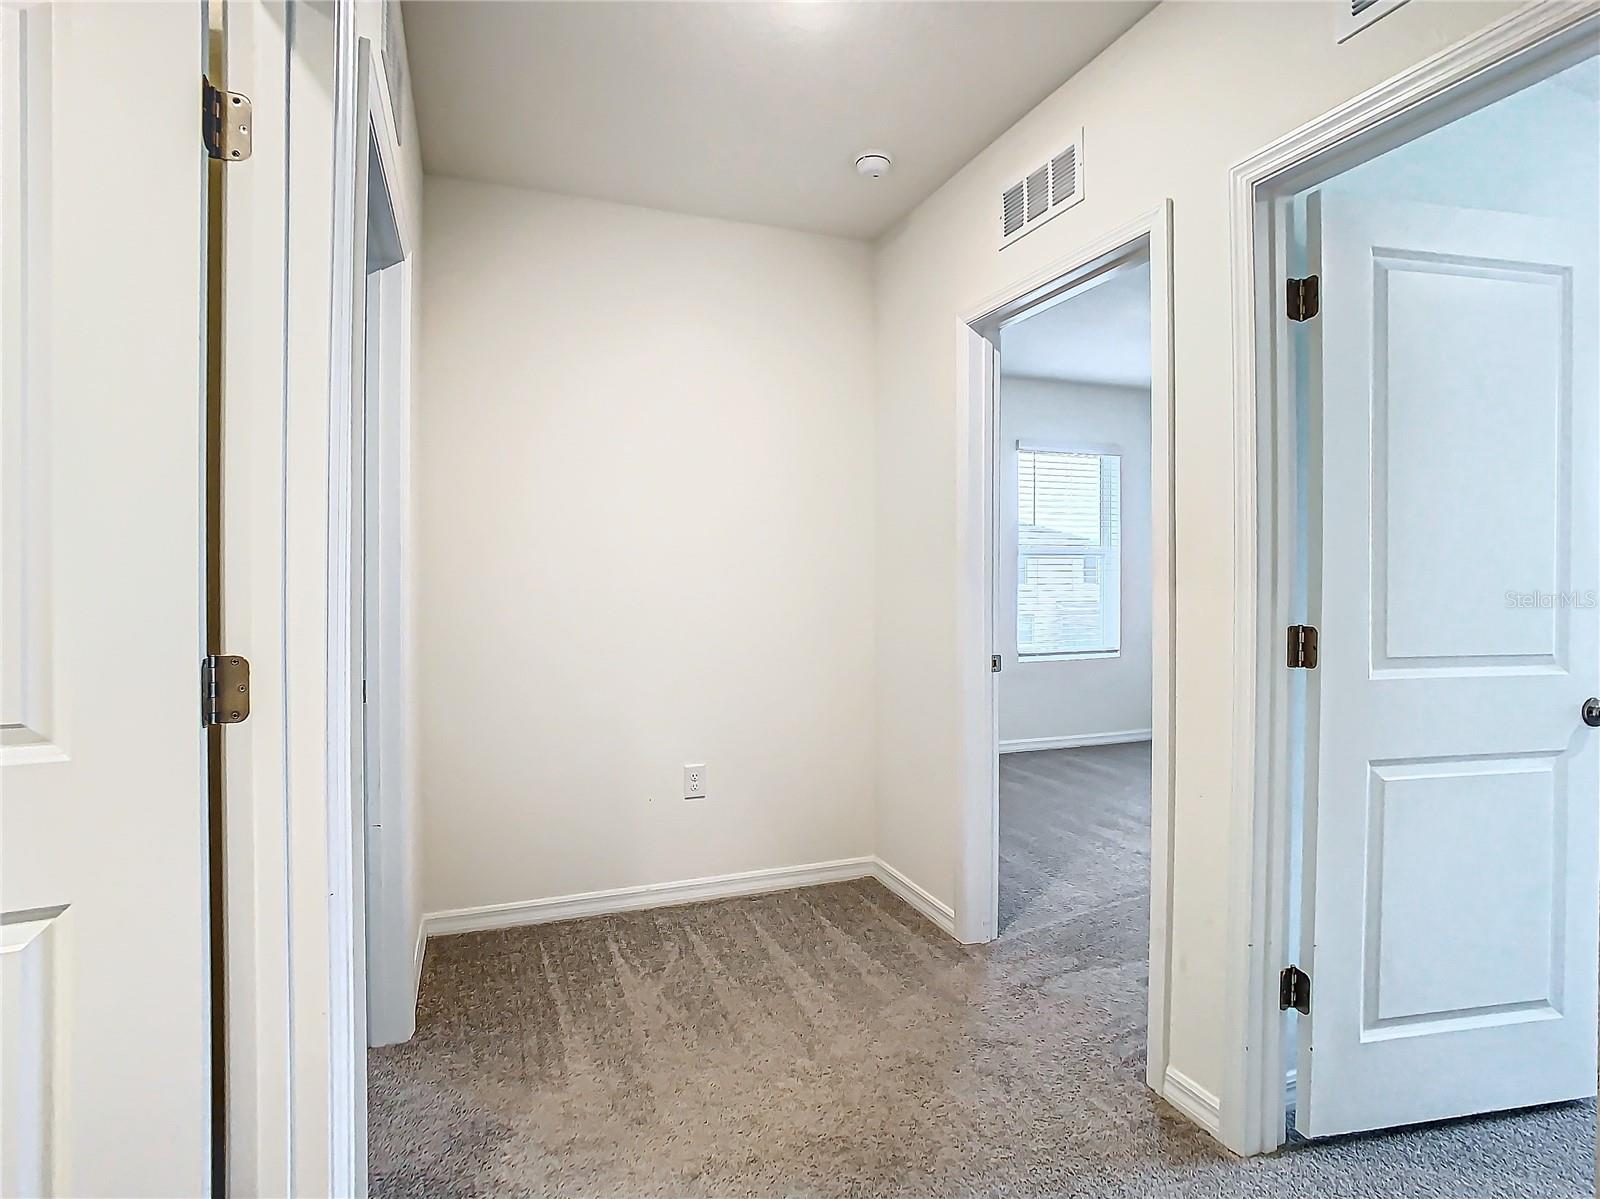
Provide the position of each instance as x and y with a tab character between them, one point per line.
1305	299
1294	990
994	663
225	122
224	689
1302	647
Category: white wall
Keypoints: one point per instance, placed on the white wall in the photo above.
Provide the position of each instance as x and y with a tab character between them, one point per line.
1168	109
647	538
1047	701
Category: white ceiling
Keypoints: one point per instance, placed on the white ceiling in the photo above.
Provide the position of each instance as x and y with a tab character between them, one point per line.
749	111
1101	335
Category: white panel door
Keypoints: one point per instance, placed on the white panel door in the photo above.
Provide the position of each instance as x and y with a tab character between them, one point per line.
1452	885
103	881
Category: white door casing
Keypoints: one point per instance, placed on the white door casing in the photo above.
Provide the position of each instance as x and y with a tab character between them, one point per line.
103	881
1451	861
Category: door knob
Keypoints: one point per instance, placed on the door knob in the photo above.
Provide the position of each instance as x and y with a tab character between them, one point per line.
1591	712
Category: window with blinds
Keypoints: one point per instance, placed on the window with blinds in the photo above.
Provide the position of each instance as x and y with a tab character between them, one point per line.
1069	564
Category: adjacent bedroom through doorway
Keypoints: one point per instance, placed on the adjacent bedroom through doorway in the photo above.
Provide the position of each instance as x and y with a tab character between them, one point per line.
1073	619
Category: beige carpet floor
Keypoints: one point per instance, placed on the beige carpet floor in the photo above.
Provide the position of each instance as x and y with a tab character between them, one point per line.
831	1042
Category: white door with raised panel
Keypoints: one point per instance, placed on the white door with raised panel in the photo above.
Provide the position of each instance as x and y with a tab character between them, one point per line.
104	1084
1451	862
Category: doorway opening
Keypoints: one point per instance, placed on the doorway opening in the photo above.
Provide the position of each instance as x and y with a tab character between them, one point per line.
1070	591
1073	613
1430	443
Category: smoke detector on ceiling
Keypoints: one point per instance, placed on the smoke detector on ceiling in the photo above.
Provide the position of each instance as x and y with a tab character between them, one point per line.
874	164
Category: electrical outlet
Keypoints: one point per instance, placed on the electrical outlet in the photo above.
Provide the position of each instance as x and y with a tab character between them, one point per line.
694	781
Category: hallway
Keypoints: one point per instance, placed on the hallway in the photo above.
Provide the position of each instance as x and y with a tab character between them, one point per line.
832	1042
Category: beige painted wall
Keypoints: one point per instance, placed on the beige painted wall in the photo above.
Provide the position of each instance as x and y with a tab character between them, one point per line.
1168	109
645	456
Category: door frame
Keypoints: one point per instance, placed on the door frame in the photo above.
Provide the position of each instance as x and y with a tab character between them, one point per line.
1476	71
978	869
394	962
284	1126
362	127
355	738
296	1043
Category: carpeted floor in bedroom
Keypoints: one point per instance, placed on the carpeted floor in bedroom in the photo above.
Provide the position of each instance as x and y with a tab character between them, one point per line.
831	1042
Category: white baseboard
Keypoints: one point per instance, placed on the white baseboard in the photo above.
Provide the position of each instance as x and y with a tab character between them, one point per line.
697	890
1291	1089
651	895
1193	1100
936	910
420	952
1028	744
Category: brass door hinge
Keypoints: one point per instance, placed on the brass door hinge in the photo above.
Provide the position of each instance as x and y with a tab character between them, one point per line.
224	689
225	122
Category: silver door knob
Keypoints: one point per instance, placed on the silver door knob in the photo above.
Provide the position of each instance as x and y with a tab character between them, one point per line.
1591	712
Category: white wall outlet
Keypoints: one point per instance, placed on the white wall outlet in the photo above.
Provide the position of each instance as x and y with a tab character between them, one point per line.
694	780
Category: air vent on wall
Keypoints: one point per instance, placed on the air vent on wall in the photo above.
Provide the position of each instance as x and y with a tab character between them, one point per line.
1048	189
1038	192
1064	175
1011	206
1356	15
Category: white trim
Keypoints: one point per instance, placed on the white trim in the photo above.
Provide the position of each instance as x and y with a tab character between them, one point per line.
1192	1099
935	909
1464	76
346	906
261	809
977	886
641	898
296	577
419	955
296	1095
386	621
360	125
1026	745
977	547
693	890
1033	447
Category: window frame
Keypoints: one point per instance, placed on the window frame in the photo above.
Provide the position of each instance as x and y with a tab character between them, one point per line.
1106	549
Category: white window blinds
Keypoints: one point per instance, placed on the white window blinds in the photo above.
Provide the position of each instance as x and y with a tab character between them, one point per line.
1069	564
